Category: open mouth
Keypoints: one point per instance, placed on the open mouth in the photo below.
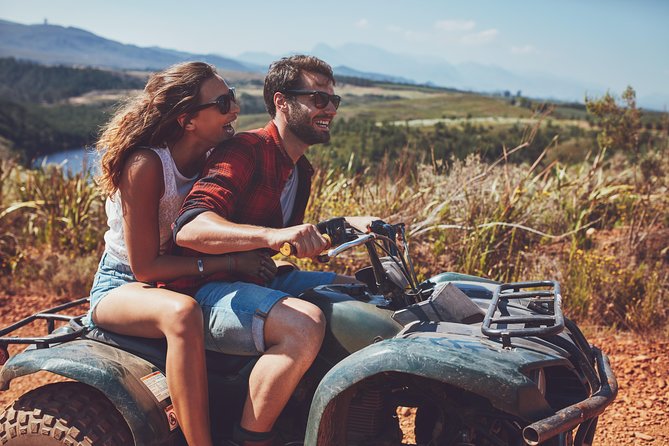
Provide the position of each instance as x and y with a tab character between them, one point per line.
229	129
322	124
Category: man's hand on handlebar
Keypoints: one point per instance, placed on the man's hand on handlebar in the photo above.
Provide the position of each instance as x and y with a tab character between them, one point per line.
305	240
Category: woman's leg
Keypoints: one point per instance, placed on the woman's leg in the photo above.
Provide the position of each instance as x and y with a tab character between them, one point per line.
137	309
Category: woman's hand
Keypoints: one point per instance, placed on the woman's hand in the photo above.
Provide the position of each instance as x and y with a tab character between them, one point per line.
256	263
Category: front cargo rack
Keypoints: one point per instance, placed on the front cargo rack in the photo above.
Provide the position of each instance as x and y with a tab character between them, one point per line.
50	316
544	300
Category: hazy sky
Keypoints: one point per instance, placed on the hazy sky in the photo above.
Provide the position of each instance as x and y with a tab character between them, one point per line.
613	42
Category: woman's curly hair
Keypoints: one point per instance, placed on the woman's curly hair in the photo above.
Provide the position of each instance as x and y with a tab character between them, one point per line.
149	119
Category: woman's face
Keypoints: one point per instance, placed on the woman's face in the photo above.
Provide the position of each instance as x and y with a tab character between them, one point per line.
210	124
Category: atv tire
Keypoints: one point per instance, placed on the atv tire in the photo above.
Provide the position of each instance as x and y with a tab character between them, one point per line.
69	413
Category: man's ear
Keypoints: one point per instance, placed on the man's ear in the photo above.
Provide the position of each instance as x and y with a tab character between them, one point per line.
185	122
280	102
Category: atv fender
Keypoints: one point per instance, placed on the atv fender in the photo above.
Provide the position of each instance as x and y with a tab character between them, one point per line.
114	372
495	375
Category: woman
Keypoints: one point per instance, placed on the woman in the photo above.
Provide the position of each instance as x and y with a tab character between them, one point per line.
153	150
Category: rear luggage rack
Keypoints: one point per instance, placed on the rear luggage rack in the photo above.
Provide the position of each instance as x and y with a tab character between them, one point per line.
50	316
546	302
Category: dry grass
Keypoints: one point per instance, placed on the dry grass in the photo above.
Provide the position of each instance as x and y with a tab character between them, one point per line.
594	226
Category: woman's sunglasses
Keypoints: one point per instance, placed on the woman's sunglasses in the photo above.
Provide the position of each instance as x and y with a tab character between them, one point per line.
223	102
321	98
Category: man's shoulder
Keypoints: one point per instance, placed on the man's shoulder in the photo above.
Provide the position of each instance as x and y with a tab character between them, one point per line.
244	143
251	137
255	137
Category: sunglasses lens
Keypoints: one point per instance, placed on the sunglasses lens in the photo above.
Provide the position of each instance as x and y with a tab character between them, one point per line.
223	103
321	100
225	100
335	101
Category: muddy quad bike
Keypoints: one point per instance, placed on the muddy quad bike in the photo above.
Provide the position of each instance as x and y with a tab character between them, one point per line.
477	361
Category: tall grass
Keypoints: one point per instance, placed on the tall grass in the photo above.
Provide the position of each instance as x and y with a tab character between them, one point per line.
51	227
600	227
594	226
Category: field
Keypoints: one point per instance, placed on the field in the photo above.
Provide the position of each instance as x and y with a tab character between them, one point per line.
498	186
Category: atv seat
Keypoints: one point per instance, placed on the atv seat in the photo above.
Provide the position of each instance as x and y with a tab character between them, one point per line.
155	351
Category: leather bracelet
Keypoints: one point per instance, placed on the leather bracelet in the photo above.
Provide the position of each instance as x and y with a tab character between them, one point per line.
200	267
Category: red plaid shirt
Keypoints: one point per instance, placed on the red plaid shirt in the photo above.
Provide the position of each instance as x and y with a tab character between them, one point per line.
242	182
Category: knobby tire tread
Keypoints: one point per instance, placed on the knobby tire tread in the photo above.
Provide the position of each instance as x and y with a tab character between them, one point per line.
69	413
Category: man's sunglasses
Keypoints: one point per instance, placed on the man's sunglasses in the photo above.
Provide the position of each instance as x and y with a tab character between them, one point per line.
321	98
223	102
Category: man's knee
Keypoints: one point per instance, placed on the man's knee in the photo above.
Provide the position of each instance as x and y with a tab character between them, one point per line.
295	321
307	318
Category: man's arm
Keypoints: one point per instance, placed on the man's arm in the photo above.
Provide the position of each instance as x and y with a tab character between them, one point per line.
211	233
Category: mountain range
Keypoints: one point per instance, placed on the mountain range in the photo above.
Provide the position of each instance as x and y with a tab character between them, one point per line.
434	71
53	44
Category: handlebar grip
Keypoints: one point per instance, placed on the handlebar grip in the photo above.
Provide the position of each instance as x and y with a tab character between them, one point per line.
287	249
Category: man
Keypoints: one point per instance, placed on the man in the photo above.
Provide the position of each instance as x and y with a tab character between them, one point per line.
253	195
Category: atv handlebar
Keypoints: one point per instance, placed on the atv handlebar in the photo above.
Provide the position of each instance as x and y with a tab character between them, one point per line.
360	240
388	238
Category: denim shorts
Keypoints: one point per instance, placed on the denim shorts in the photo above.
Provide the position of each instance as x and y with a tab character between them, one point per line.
235	312
111	273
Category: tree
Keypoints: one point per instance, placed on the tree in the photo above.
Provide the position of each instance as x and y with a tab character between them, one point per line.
620	125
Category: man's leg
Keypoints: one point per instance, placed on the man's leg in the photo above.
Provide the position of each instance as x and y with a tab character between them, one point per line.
294	331
243	318
293	334
247	319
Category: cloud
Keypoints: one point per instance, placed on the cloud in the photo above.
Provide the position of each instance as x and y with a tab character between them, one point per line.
455	25
409	35
480	38
524	49
362	23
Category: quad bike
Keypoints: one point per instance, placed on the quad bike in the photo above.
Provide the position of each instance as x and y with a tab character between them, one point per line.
477	361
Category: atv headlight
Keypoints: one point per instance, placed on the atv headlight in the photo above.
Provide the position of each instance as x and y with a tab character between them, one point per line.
539	378
395	273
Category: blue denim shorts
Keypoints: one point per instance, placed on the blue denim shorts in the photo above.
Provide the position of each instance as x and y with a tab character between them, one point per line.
235	312
111	273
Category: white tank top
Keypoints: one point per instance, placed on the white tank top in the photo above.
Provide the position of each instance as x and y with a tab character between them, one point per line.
177	187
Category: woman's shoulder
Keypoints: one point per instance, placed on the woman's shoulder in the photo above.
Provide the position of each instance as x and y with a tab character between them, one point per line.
145	158
143	165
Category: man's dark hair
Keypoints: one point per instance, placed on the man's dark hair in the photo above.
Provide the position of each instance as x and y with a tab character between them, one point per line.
284	74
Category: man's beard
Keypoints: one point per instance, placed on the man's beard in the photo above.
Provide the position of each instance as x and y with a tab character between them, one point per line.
299	123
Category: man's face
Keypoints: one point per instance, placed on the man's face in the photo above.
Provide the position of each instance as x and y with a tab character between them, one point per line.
306	121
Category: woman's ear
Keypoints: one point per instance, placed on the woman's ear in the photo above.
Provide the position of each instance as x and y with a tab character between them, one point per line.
185	122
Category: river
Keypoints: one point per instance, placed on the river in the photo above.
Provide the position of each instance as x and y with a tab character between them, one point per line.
73	161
